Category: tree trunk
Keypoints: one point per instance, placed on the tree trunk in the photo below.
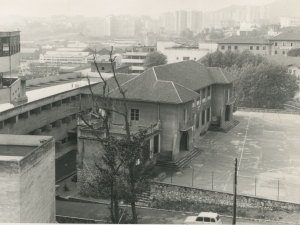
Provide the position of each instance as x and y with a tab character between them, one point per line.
134	215
116	204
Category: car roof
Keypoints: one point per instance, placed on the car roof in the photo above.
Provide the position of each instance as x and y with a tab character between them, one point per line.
208	214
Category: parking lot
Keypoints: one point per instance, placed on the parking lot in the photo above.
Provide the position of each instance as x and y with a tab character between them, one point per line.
267	146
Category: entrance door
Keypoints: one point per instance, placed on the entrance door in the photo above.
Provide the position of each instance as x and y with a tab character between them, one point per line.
155	149
227	113
184	141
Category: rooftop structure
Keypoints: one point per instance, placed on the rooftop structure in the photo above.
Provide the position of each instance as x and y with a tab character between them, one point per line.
9	51
54	57
27	174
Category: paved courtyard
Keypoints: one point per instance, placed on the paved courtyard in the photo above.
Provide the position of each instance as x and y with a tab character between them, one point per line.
267	146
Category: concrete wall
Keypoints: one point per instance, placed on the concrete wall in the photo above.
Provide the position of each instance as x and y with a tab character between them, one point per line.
161	192
176	55
148	113
4	95
5	65
37	185
242	47
9	192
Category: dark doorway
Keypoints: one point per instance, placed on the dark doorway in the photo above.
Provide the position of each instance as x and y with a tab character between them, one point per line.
184	141
156	139
227	113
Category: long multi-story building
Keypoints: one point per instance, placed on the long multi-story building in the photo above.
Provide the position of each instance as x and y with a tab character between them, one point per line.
56	58
289	21
168	21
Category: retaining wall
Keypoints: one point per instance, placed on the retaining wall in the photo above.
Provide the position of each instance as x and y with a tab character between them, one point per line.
162	191
282	111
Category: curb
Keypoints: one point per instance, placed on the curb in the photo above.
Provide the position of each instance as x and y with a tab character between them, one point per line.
65	177
168	210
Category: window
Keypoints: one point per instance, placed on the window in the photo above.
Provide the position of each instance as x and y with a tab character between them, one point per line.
276	44
283	43
102	68
251	47
177	58
206	219
208	91
135	114
207	114
185	115
197	120
275	52
229	47
236	47
186	58
203	117
222	47
292	43
203	93
199	219
194	58
283	52
257	47
264	47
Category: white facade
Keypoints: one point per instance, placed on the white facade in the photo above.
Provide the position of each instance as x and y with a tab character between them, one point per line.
53	57
289	21
177	53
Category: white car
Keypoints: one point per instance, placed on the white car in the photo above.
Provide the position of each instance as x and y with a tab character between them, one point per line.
204	218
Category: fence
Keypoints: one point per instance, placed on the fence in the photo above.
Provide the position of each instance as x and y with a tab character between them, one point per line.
260	186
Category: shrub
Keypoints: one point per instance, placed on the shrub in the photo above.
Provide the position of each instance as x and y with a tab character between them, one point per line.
74	178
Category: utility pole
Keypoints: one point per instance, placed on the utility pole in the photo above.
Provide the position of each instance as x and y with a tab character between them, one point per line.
234	192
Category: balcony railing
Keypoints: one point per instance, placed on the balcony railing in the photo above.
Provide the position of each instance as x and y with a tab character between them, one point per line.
185	125
152	128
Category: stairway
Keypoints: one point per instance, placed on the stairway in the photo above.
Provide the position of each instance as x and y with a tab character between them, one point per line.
228	126
144	199
181	162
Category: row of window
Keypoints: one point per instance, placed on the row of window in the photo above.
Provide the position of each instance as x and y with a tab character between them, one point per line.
205	117
251	47
186	58
37	110
205	93
276	52
284	44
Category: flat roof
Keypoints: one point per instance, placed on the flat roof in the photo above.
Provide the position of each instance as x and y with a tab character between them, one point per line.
67	53
41	93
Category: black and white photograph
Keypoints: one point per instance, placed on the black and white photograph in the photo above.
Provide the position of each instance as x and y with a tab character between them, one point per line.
150	111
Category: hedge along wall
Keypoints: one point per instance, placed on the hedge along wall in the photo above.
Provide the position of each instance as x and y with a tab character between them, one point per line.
174	193
281	111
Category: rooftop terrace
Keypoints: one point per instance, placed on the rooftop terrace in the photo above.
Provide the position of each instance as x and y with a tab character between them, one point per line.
16	147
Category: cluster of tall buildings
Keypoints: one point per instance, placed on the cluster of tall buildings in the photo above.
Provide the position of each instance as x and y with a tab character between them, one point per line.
115	26
233	15
181	20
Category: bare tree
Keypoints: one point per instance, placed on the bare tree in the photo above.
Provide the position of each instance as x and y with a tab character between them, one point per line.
124	162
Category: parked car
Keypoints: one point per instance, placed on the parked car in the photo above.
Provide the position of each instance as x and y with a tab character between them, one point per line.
204	218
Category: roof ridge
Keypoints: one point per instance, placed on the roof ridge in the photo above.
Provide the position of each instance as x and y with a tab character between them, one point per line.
176	91
154	73
124	82
184	87
223	75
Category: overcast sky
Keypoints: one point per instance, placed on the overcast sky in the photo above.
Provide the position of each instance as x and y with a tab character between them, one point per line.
153	8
